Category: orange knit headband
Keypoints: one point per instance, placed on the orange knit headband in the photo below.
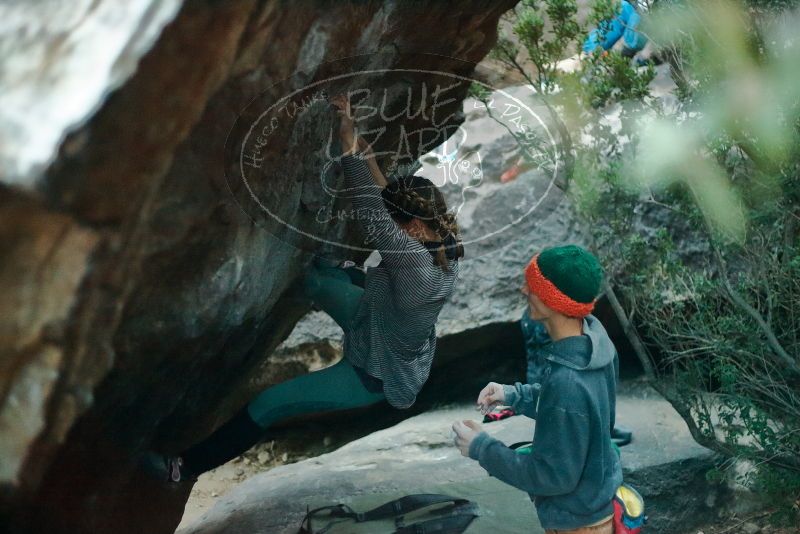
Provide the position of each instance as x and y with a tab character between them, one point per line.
553	297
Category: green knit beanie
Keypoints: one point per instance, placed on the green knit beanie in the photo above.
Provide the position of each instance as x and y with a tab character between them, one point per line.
567	279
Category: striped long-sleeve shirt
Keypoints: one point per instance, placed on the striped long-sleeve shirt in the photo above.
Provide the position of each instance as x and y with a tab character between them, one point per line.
393	337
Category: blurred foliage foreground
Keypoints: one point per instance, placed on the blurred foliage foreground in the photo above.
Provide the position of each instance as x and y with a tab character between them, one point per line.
713	310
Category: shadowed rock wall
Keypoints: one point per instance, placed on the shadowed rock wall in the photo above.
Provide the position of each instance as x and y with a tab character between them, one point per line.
137	301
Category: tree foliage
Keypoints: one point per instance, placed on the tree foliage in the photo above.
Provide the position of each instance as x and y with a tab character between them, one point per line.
712	299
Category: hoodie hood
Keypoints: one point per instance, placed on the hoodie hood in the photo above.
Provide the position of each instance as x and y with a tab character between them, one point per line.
592	350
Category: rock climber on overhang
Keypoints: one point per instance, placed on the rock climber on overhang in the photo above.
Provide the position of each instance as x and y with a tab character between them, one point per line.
388	317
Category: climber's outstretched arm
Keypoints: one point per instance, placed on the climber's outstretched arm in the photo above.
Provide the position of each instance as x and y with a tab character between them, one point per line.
353	143
372	163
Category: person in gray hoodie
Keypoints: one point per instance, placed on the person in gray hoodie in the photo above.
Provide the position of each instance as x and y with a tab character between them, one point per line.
573	469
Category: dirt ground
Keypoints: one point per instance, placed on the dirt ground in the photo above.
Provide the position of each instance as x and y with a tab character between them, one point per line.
291	447
263	457
752	524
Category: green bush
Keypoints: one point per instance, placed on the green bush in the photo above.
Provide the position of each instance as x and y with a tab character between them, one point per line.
716	327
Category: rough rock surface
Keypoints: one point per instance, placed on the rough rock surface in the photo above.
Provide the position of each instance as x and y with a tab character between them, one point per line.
79	51
417	455
138	305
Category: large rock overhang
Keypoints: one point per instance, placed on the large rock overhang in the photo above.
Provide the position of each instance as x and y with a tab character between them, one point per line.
138	298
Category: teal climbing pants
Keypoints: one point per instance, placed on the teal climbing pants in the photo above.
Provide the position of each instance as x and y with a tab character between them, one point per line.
331	389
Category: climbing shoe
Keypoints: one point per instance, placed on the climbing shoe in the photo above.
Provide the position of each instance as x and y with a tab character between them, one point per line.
165	468
621	436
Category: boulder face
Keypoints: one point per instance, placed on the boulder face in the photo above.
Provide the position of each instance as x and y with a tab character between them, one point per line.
140	293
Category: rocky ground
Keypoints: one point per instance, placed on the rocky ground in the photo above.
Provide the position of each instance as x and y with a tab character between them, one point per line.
758	523
257	493
263	457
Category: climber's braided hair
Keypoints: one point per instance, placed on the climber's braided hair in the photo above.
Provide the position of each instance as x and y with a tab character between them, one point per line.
417	197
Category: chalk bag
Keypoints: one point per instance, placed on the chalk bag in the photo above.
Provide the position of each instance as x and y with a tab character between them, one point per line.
629	515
